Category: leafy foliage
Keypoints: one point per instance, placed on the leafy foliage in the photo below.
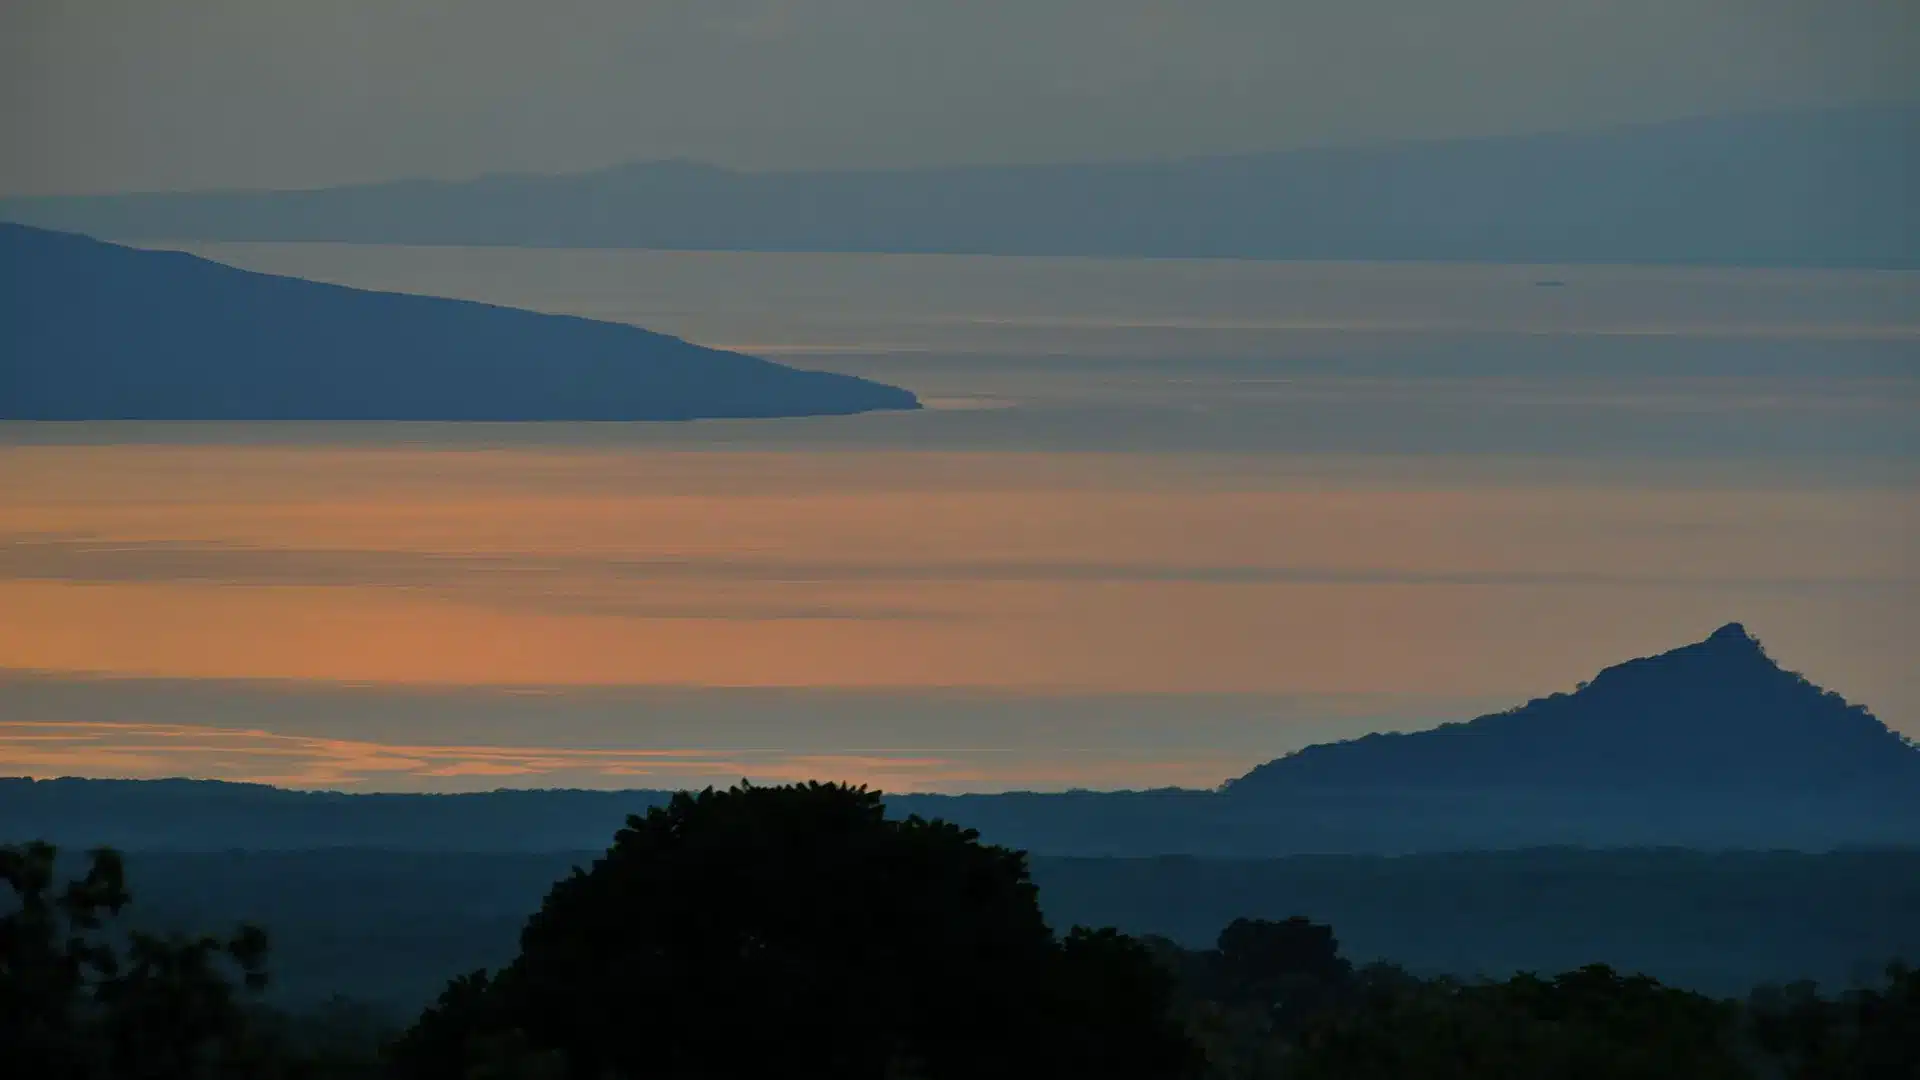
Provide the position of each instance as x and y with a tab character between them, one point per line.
757	931
1590	1024
1285	970
1381	1023
1867	1034
799	931
75	1003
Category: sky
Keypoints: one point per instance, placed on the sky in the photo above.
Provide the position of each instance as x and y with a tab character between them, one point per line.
115	95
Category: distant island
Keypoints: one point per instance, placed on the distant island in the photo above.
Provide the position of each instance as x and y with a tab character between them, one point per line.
1820	188
1711	746
95	331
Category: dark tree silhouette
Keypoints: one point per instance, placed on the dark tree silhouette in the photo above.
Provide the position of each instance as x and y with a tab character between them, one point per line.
76	1005
1110	984
1288	969
1866	1034
798	931
1590	1024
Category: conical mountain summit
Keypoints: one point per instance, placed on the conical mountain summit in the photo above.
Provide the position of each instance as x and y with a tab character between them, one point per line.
1716	715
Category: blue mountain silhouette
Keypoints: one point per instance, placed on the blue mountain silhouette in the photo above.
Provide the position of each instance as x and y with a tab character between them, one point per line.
1717	716
1823	187
96	331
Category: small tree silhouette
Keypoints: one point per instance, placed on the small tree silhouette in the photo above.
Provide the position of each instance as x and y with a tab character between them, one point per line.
1288	969
75	1006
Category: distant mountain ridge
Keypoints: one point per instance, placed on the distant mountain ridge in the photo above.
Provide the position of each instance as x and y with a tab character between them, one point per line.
1715	715
1826	188
96	331
1709	746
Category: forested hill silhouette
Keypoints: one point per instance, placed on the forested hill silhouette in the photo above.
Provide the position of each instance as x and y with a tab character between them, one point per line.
1715	716
96	331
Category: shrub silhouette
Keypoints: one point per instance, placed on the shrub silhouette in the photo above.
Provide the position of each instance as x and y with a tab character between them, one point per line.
1869	1033
1589	1024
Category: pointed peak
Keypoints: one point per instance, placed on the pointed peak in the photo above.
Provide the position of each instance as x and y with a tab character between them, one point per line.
1733	639
1731	652
1733	632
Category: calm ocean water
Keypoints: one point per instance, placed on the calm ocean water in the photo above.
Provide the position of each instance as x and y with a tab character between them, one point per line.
1162	520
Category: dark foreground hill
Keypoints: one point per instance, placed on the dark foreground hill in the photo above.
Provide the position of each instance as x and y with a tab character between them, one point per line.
1710	746
1814	188
95	331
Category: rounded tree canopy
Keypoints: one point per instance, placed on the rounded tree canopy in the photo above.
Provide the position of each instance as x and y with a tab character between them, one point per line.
762	930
